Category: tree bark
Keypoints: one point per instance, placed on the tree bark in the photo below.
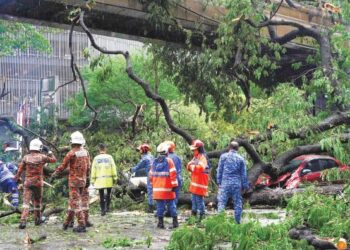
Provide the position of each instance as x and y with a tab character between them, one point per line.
267	196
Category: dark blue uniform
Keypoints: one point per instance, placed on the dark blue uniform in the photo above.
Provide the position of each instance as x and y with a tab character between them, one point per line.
146	162
232	178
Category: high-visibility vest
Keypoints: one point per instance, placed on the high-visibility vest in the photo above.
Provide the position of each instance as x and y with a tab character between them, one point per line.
163	178
103	171
199	169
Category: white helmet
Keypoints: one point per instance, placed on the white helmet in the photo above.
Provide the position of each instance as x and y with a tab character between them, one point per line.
77	138
163	148
35	145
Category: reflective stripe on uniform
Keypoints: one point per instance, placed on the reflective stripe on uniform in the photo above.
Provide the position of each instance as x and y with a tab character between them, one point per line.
174	182
160	174
198	185
105	176
172	170
161	189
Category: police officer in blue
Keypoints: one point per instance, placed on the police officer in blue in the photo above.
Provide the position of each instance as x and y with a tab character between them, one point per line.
232	179
9	185
145	163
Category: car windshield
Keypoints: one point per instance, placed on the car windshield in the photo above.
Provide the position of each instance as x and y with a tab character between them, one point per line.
291	166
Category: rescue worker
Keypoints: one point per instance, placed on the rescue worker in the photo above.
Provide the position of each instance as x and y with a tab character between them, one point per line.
163	179
9	185
78	162
145	162
103	175
33	165
199	169
232	179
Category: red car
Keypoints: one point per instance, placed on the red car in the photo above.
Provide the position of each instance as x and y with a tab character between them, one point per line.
304	168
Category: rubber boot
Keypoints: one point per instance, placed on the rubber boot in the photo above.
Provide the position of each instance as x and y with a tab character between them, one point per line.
175	222
150	209
160	222
22	225
79	229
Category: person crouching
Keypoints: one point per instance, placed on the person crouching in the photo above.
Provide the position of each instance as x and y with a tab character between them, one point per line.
163	180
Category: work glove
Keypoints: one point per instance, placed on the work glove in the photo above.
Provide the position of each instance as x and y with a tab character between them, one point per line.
49	153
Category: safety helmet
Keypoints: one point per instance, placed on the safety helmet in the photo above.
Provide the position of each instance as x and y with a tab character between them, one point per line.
35	145
163	148
144	148
196	144
77	138
171	145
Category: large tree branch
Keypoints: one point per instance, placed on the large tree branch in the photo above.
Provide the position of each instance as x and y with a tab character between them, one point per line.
335	120
145	85
22	131
14	128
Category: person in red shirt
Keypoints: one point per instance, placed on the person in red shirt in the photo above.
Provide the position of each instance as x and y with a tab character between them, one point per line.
163	180
33	165
199	169
78	162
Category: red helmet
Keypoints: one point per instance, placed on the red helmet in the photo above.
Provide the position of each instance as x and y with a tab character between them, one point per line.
144	148
196	144
171	145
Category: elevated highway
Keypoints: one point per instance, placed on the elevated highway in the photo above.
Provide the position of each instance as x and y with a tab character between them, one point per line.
131	17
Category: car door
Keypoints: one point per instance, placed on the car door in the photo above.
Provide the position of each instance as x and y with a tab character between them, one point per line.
311	171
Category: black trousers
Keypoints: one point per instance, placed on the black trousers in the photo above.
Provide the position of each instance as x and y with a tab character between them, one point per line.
105	199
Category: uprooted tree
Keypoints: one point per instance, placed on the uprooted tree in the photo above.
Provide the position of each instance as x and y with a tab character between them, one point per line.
220	75
240	57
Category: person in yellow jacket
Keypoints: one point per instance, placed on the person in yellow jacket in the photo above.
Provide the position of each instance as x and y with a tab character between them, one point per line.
103	175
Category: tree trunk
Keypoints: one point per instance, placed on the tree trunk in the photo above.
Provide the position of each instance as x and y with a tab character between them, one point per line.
267	196
278	196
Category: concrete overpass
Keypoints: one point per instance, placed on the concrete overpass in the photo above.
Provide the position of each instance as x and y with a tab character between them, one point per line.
130	17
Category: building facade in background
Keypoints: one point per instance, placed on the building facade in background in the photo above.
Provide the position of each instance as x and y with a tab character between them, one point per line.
31	77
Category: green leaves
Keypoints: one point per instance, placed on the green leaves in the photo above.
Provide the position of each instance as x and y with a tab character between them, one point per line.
114	94
21	36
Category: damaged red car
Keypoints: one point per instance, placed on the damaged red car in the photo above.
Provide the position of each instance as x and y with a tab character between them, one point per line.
304	168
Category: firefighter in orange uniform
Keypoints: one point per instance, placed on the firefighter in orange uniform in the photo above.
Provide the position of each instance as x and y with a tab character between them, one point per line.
163	180
78	162
33	165
199	169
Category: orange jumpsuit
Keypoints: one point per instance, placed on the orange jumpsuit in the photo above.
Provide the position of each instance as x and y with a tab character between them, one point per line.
33	165
78	162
